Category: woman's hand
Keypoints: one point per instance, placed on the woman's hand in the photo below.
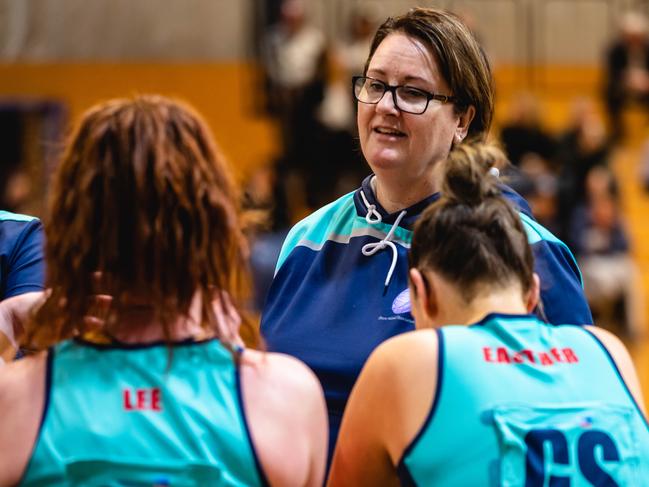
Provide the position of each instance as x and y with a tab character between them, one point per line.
14	312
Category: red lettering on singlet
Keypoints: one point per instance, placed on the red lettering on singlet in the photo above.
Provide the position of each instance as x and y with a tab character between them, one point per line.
149	399
503	356
553	356
529	354
140	394
487	354
523	356
128	406
545	359
570	355
156	400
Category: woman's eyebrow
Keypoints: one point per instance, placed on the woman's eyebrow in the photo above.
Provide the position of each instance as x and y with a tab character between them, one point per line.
407	78
417	78
376	71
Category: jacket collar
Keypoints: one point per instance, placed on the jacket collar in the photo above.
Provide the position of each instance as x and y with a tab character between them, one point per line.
412	212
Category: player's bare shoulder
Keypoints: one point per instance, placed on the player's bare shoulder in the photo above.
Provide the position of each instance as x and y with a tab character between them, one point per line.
21	377
289	391
276	369
22	395
286	411
408	352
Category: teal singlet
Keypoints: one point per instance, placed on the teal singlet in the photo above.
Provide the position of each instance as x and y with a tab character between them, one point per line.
125	415
522	403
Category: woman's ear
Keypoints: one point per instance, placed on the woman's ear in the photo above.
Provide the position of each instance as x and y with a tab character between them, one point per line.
533	295
423	299
465	121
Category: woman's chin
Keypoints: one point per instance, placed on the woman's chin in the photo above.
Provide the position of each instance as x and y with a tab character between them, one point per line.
385	162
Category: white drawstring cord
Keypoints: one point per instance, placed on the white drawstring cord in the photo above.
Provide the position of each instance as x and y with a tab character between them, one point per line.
371	210
372	248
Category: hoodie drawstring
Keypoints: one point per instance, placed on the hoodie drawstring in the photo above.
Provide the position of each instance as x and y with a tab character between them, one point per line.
372	248
371	211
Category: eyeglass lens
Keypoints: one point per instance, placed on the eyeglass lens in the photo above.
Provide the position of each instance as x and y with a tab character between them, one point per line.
408	99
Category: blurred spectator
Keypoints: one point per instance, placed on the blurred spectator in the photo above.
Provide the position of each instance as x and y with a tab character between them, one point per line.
536	181
644	165
523	132
530	148
611	278
627	69
267	237
294	59
582	146
344	167
11	153
349	56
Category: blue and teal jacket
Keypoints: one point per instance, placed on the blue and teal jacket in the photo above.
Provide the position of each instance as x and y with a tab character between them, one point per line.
22	268
520	402
127	415
329	304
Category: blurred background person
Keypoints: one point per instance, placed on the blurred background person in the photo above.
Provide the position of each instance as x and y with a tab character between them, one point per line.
163	392
294	56
343	167
582	146
601	243
536	180
265	197
523	131
627	70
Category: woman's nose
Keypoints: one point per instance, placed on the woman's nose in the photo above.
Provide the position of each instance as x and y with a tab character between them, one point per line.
388	103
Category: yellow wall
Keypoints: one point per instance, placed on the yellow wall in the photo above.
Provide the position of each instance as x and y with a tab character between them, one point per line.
221	92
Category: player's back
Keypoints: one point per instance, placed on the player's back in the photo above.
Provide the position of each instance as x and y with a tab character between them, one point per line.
118	415
519	402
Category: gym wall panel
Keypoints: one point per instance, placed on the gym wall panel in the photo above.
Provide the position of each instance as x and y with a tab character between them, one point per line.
573	32
499	24
73	30
221	92
514	31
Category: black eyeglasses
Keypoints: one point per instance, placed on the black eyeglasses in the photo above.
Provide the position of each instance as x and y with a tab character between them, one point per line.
406	98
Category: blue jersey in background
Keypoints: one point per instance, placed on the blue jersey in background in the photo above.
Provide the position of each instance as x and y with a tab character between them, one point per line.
22	268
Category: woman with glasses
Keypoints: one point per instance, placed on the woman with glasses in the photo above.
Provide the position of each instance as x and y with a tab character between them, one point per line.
161	393
506	400
340	286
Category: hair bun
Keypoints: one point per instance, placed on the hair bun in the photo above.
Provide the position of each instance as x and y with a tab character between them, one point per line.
468	175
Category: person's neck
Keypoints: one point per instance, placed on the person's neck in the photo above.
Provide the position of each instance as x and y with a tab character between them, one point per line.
137	321
397	193
508	301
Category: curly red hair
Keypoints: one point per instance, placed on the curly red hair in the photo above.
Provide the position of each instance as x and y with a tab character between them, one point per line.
142	196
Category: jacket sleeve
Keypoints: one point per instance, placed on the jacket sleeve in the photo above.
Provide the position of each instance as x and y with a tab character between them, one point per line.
25	270
562	295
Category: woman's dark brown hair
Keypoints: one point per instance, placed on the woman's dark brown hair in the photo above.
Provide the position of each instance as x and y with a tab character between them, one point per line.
461	60
142	198
472	236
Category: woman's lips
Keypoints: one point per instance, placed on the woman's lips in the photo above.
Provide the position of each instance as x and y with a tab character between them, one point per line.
388	133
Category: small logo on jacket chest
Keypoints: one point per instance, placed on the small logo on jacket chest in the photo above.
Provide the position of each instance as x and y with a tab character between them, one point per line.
401	303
